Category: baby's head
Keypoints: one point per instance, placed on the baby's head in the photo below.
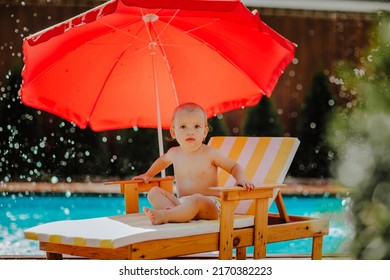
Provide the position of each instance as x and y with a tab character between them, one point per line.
188	108
189	125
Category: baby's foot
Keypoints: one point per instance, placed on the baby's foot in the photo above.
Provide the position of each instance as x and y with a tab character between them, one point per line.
157	217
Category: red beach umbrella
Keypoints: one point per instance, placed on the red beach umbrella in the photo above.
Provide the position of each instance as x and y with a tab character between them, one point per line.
131	62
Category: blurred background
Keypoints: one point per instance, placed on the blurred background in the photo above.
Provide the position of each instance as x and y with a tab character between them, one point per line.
37	146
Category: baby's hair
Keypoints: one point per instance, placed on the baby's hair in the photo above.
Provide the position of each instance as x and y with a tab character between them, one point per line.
189	107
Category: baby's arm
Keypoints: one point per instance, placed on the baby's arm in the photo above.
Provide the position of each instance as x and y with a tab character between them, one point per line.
157	166
234	169
239	174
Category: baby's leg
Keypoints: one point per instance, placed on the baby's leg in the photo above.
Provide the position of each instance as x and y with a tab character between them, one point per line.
157	217
195	207
161	199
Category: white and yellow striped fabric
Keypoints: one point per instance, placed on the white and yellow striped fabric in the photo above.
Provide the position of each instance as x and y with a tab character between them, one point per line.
266	161
117	231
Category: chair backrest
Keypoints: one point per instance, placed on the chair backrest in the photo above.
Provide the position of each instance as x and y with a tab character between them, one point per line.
266	160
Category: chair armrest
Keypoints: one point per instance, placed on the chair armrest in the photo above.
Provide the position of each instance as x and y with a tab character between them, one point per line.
229	193
239	193
131	189
164	183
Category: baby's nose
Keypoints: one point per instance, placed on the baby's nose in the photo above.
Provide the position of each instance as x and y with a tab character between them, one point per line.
190	130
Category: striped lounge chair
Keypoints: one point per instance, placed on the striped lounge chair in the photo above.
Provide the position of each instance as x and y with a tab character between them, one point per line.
244	219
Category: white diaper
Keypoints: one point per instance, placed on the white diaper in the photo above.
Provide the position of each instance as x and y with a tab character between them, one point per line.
216	200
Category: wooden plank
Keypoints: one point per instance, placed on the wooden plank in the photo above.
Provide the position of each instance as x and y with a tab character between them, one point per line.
241	253
153	180
167	185
296	230
281	207
260	187
316	253
53	256
274	218
226	230
165	248
260	231
123	253
130	191
242	194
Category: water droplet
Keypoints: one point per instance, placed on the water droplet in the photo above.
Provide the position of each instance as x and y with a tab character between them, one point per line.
54	180
68	193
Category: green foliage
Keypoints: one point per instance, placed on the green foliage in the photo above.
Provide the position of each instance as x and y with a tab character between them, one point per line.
314	154
361	136
216	127
262	120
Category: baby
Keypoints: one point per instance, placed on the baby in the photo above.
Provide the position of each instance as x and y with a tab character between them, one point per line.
195	167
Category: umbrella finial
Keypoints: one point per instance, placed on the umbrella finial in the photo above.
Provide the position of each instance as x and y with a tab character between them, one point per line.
150	18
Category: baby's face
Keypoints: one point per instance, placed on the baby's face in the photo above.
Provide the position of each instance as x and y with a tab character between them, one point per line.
189	129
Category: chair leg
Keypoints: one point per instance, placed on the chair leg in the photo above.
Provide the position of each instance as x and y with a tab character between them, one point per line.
241	253
53	256
260	230
226	230
317	248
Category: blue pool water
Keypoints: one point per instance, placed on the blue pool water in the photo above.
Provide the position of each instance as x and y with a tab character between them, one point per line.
19	212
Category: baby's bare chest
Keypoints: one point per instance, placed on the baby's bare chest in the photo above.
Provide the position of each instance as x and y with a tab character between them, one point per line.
193	167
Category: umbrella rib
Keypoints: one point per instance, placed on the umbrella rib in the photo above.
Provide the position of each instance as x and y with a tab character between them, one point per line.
153	44
167	24
112	69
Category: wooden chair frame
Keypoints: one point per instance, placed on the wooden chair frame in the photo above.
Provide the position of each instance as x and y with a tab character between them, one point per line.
267	228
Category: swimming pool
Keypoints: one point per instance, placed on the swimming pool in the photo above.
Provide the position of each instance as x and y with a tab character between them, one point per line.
20	211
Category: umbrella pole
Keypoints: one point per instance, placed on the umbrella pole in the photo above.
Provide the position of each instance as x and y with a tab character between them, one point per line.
159	126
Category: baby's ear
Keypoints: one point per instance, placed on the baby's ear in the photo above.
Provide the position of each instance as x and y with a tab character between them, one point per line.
206	131
173	134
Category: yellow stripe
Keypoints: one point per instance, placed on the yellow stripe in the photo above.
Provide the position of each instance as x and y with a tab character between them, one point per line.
279	161
55	239
79	241
234	154
216	142
31	235
254	164
256	158
106	244
237	147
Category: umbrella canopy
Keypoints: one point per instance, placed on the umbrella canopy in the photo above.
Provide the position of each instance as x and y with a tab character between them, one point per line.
97	68
131	62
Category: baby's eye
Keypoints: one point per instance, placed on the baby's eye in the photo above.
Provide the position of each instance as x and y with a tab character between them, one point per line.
182	127
197	126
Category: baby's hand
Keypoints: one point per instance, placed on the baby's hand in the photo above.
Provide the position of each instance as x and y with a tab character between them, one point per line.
248	185
145	177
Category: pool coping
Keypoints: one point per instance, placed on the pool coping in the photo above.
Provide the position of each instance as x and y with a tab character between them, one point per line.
296	187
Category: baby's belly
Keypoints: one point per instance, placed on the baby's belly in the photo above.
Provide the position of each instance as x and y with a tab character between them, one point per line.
189	190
